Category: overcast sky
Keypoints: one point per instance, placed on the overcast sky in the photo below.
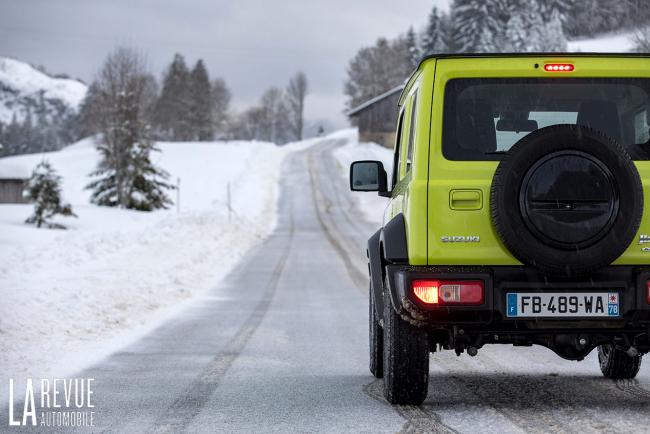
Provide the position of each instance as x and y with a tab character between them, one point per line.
252	44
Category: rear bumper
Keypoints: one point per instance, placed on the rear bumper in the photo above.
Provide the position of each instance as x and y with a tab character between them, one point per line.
629	282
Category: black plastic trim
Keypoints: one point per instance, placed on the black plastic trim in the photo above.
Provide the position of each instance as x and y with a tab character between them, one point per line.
393	238
375	271
628	281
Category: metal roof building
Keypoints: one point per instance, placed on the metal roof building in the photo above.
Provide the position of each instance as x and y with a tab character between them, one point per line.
377	118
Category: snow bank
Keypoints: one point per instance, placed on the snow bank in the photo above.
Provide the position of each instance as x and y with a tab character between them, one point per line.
21	79
371	204
13	171
70	297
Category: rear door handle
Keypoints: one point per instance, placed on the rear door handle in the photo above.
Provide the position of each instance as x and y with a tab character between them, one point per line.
465	200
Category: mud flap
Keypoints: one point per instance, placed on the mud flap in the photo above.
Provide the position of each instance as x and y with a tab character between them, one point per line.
374	268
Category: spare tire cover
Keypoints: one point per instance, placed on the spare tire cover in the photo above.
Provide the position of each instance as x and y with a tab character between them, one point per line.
567	200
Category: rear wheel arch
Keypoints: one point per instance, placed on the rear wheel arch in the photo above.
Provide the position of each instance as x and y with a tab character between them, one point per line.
393	240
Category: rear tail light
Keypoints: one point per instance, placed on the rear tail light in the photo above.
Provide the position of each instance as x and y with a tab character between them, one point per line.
448	292
647	292
558	67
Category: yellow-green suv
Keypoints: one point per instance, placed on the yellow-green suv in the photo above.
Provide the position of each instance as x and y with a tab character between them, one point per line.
516	214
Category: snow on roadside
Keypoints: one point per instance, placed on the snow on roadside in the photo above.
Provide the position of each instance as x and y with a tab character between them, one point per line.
609	43
371	204
66	294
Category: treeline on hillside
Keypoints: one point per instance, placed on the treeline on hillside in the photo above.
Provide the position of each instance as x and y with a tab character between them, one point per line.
489	26
127	114
187	105
40	130
191	106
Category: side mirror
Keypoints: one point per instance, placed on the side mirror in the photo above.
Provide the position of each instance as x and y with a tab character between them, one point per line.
368	176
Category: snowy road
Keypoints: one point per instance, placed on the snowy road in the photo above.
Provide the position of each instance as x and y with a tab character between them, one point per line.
281	345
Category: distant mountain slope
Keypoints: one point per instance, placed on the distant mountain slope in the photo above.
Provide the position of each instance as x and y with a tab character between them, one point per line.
22	87
36	110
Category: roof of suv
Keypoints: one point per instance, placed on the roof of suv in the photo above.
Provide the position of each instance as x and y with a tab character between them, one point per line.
536	54
491	55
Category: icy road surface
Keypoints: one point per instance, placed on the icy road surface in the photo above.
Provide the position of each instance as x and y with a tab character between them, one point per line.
281	346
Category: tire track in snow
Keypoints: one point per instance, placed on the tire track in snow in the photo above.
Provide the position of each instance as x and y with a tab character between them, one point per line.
632	387
545	403
330	165
187	406
499	396
418	419
359	278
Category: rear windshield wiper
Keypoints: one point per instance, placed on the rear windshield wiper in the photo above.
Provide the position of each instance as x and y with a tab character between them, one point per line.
495	153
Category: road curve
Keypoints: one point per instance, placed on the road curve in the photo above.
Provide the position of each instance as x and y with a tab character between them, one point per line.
281	345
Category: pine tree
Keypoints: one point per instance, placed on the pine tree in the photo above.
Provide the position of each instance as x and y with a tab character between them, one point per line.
125	176
201	103
585	18
562	7
149	187
376	69
413	49
433	39
551	35
486	43
527	32
44	191
12	135
27	134
172	117
516	36
472	21
221	97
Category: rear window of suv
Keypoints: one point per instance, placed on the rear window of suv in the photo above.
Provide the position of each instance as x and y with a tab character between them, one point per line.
484	118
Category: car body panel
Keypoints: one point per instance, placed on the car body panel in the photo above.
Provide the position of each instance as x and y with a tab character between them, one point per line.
445	176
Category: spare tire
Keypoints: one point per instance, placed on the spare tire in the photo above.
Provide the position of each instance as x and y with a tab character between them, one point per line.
567	200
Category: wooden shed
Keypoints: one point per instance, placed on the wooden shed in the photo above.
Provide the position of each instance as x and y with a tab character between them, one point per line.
377	118
13	180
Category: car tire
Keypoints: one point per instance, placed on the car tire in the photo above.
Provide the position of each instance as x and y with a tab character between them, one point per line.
616	364
406	358
567	200
376	339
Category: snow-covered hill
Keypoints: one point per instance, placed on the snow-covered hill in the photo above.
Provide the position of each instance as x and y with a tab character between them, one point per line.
71	296
24	89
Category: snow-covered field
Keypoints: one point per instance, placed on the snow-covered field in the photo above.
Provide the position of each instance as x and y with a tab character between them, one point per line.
610	43
70	297
372	206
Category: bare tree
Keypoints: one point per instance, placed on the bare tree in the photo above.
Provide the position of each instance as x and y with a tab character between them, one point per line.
275	117
641	39
641	36
221	98
122	106
296	94
377	69
248	125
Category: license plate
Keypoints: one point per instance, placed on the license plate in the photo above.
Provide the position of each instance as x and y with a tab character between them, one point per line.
562	304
